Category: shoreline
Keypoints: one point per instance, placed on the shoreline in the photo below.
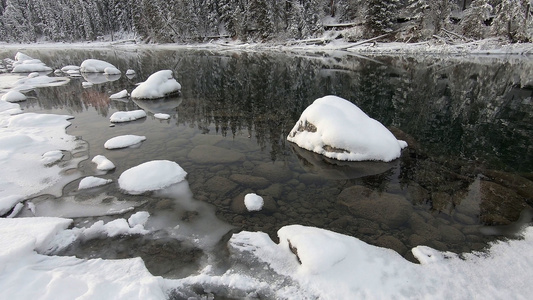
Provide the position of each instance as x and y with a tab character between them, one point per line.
487	47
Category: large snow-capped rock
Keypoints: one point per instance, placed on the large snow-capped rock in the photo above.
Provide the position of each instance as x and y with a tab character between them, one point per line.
337	128
158	85
95	66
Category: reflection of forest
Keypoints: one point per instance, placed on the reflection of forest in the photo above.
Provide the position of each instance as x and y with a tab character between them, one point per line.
475	108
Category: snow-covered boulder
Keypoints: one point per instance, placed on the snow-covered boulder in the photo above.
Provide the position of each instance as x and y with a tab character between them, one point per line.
14	96
159	85
102	163
26	64
91	181
126	116
95	66
119	95
337	128
123	141
151	176
253	202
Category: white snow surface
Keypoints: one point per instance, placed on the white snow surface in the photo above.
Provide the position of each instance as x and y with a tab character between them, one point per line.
119	95
253	202
158	85
92	181
123	141
8	202
29	275
95	66
14	96
23	140
335	266
102	163
343	131
151	176
126	116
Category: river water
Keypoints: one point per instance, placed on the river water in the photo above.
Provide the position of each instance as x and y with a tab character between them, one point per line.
465	179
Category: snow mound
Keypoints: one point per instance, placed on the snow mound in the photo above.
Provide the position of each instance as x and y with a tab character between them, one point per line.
112	71
51	157
102	163
30	83
158	85
126	116
130	72
123	141
338	129
95	66
91	181
162	116
151	176
14	96
68	68
26	64
119	95
253	202
7	203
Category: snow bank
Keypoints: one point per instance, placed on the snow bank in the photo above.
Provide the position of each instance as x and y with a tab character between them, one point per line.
26	64
112	71
253	202
91	181
158	85
95	66
23	140
338	129
102	163
328	265
123	141
126	116
14	96
151	176
28	275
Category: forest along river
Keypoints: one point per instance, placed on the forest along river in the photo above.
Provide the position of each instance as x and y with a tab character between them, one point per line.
464	180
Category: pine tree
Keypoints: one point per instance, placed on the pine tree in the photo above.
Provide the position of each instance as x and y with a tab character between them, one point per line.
514	21
381	15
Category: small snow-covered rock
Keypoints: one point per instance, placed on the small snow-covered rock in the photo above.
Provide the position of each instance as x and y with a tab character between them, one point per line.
91	181
253	202
112	71
151	176
123	141
125	116
95	66
51	157
130	72
70	68
86	84
14	96
158	85
337	128
119	95
162	116
138	218
102	163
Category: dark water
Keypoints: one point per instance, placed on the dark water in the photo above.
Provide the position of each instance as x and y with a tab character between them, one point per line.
465	179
